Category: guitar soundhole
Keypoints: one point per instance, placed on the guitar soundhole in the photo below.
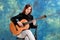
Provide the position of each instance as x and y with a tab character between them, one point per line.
23	24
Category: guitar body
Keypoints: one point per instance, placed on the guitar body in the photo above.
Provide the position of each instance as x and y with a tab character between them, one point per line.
19	28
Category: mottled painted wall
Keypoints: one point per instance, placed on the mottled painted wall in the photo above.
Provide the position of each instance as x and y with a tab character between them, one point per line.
48	28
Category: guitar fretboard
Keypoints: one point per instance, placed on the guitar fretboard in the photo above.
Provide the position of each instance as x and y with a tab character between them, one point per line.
35	19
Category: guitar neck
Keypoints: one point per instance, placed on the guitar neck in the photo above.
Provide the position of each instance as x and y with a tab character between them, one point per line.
32	21
35	19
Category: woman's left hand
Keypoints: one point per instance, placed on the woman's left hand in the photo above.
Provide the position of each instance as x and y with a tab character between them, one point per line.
34	22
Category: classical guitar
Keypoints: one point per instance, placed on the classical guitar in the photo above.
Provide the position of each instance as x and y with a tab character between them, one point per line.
16	29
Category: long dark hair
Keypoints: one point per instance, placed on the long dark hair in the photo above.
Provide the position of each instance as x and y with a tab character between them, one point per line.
26	6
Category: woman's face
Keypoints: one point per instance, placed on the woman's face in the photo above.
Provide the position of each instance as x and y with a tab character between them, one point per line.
28	10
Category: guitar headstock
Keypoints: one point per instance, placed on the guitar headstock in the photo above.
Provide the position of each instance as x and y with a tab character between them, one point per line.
44	16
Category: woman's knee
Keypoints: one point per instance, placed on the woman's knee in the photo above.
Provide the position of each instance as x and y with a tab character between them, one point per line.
28	31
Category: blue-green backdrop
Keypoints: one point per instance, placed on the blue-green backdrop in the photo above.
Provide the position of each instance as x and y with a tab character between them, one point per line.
48	28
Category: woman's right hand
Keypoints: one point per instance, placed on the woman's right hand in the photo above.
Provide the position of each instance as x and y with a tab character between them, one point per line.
19	23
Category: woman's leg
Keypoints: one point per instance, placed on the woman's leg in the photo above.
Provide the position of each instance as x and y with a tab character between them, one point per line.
26	38
27	33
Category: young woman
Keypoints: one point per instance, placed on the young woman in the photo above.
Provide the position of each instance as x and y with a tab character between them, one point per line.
26	14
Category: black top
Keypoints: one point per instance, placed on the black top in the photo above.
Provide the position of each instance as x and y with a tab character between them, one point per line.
22	16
